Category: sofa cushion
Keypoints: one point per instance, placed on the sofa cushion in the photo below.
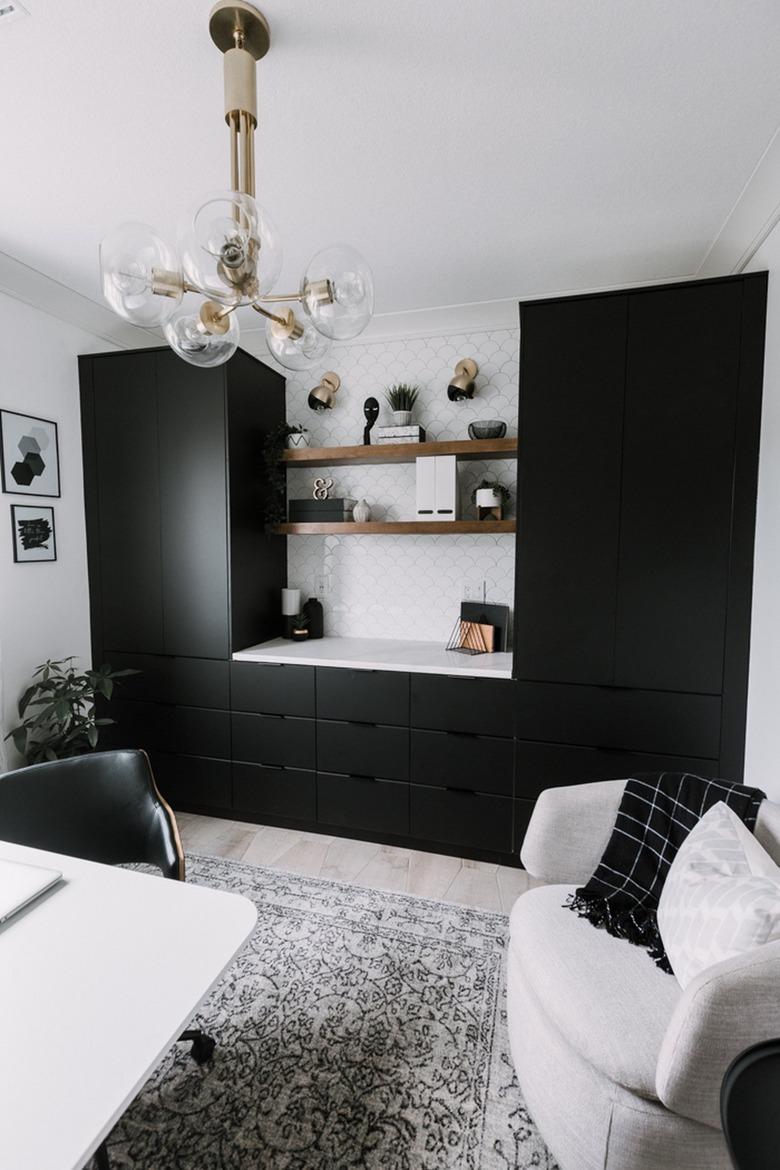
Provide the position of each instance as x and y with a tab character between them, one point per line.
721	896
606	997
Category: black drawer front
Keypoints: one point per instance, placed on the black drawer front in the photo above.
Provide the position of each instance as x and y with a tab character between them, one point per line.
363	749
275	792
549	765
138	725
272	690
158	727
658	722
190	682
188	781
462	818
483	706
365	696
377	806
478	763
199	732
271	739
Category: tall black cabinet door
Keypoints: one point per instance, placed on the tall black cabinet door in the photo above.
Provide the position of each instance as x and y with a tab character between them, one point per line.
678	467
128	503
571	418
193	509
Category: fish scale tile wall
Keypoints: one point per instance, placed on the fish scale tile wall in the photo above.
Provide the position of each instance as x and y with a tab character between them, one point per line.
404	586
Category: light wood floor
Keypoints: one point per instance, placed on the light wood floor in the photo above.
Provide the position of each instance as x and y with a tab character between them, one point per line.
383	867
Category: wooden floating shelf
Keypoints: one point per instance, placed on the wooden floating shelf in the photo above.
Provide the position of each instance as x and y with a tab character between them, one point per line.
400	452
398	528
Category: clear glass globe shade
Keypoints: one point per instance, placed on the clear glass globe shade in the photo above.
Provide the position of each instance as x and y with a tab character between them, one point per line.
230	248
130	256
187	337
297	354
352	289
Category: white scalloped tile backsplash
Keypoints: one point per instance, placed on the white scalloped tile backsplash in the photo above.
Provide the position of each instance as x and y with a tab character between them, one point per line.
404	586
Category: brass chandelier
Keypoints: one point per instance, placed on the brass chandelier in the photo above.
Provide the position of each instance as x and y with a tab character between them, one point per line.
229	253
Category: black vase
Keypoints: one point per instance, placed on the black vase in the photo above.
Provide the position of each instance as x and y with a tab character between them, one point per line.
313	611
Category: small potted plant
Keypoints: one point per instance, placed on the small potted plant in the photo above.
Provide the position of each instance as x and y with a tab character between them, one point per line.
490	497
297	436
402	399
299	627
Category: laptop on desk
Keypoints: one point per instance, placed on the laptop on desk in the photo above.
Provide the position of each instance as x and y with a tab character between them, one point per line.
21	884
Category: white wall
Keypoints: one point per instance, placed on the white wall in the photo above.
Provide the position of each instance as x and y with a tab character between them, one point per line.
44	607
405	586
762	764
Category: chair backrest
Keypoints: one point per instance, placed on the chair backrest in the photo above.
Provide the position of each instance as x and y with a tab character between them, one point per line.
748	1107
101	807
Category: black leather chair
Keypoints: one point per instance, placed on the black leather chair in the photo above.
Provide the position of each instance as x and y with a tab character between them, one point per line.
102	807
750	1107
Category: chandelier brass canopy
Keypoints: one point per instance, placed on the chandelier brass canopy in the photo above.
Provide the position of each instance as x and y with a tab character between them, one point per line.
229	253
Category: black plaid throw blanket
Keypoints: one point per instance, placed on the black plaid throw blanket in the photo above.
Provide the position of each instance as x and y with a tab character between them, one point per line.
656	814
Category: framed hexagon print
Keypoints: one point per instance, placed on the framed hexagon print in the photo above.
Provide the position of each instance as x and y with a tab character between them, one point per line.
29	455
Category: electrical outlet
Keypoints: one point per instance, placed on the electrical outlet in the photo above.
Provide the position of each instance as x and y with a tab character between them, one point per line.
474	590
322	584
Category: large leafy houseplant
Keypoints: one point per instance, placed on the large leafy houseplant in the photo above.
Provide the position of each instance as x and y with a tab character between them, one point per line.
58	711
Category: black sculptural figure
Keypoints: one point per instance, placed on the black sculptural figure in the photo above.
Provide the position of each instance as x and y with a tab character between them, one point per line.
371	411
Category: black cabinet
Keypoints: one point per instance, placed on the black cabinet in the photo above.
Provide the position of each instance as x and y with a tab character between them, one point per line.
119	394
363	749
269	689
192	682
569	473
362	804
478	763
193	513
638	432
179	561
470	820
550	765
483	706
274	739
288	793
192	782
363	696
181	570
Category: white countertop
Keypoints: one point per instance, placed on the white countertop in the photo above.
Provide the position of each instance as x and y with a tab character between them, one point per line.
379	654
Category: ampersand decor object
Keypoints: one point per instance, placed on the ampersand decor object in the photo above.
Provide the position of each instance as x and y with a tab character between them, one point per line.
322	488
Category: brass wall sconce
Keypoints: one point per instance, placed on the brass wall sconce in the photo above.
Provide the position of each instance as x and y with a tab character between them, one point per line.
462	384
323	396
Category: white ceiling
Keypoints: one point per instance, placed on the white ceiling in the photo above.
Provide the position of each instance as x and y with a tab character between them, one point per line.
473	149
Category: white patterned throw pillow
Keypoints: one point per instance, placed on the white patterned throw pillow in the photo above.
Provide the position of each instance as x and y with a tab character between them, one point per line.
721	896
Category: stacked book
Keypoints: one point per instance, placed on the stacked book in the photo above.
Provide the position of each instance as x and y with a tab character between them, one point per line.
408	434
311	511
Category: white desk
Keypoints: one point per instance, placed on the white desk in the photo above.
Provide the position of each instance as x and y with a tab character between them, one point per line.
97	980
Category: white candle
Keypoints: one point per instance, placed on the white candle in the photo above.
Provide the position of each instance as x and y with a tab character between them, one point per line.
291	602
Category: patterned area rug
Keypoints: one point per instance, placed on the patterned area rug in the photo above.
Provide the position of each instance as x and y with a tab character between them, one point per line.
356	1029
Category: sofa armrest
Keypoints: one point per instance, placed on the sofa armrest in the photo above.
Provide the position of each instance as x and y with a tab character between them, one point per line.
569	830
726	1009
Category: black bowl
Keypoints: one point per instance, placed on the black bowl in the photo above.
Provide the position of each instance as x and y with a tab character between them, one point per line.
491	428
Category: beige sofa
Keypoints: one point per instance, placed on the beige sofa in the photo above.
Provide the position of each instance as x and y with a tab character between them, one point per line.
620	1068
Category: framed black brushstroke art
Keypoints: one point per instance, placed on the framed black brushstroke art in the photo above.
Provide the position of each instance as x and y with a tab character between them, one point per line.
33	531
29	455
